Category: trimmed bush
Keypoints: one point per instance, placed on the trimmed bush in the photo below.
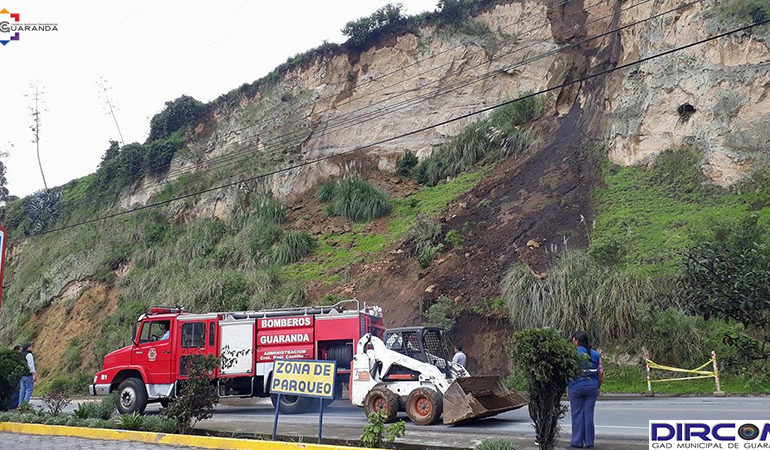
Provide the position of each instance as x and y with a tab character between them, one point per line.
359	201
549	362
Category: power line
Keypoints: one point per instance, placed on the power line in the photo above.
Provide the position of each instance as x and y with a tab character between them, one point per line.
419	130
159	167
274	145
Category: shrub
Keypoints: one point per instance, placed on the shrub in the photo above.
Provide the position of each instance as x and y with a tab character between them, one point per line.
496	444
358	200
270	210
406	163
158	424
423	240
292	247
726	276
58	396
160	152
197	398
183	112
376	433
549	361
578	294
12	368
442	313
499	135
365	30
133	421
453	237
325	192
745	12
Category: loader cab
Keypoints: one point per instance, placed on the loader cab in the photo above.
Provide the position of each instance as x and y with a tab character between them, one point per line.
426	344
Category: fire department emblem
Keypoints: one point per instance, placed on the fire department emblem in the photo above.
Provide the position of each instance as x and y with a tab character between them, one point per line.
152	354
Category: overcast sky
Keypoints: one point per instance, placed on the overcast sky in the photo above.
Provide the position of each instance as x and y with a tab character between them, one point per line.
148	51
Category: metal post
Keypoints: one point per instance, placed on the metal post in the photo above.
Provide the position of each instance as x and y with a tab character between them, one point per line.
649	379
719	392
275	422
320	419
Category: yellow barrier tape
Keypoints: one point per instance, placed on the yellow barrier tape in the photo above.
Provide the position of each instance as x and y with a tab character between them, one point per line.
654	365
681	378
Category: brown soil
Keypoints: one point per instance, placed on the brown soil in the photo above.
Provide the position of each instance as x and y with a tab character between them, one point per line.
75	313
533	208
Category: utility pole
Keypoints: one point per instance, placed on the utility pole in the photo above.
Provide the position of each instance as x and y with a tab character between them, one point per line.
102	83
36	128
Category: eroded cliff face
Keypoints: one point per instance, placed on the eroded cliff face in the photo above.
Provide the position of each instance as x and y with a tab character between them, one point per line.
713	96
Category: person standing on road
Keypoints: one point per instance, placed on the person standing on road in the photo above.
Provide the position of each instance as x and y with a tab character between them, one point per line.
459	357
583	391
27	381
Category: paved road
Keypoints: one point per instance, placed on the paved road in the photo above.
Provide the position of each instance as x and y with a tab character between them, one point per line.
621	423
13	441
618	421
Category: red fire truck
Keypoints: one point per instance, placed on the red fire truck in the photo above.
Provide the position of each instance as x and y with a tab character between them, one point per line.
167	340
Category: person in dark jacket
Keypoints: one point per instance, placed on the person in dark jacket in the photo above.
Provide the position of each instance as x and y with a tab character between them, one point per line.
583	391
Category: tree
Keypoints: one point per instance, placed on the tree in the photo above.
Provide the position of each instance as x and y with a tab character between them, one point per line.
549	362
111	153
176	115
12	368
727	276
362	31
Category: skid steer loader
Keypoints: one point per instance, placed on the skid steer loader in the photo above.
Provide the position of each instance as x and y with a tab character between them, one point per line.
409	370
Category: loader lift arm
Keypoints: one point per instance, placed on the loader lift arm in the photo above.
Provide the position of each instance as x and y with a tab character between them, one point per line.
410	371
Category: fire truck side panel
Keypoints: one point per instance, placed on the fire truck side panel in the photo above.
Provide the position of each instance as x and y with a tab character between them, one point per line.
236	341
285	337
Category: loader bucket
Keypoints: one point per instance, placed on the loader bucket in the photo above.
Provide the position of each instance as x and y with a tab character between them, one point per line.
474	398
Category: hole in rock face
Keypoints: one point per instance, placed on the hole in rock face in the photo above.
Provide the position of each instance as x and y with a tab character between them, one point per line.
685	111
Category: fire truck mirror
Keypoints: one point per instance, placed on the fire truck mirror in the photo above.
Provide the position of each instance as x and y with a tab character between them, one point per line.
133	335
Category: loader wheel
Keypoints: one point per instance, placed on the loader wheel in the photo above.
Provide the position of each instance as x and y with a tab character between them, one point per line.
382	400
424	406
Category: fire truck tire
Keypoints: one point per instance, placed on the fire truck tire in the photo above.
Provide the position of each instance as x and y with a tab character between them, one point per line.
424	406
382	399
132	396
292	404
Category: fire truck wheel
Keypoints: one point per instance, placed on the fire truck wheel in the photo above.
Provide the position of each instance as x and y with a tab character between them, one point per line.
424	406
292	404
132	396
382	399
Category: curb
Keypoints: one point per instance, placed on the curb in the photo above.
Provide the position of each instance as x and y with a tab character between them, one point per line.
160	438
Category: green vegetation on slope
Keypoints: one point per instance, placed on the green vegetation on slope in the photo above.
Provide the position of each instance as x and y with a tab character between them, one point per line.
337	251
645	218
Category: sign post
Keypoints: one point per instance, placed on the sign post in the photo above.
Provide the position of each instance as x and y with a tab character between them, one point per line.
3	238
303	378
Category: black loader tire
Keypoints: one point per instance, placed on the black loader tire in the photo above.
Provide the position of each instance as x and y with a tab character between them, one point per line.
424	406
132	396
382	400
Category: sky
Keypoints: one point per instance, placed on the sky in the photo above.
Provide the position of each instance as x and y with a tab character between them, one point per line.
147	52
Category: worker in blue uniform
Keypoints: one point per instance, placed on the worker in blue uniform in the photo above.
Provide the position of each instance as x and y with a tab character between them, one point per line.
583	391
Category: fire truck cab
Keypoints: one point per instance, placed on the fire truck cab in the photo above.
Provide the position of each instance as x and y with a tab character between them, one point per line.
166	341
